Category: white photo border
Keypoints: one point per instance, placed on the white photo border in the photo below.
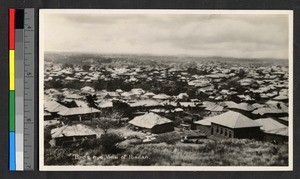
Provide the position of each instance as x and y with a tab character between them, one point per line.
43	167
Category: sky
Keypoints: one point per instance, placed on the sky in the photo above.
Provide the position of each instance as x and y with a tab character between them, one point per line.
222	35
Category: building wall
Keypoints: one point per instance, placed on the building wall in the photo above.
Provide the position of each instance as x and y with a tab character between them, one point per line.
61	140
274	137
221	131
249	133
203	128
168	127
46	118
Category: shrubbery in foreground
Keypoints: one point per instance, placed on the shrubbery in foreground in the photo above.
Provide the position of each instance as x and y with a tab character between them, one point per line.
227	152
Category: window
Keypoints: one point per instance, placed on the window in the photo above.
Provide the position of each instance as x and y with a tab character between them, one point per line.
221	130
225	132
217	129
230	134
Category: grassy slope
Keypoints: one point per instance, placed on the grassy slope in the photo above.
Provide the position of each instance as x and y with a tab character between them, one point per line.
227	153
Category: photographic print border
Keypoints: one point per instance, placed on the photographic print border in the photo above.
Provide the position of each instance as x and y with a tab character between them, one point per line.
42	167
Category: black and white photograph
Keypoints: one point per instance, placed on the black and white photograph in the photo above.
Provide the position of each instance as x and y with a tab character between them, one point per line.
172	90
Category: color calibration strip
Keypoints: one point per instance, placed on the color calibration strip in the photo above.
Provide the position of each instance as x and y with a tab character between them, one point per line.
21	89
12	147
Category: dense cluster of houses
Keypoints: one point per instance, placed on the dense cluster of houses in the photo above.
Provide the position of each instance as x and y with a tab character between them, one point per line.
232	102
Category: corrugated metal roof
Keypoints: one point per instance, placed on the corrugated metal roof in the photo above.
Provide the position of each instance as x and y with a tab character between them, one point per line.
161	96
271	126
53	106
149	120
204	122
242	106
74	130
78	111
233	119
269	110
147	103
105	104
215	108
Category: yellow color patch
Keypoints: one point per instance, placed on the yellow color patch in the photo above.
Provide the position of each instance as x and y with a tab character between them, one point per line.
11	69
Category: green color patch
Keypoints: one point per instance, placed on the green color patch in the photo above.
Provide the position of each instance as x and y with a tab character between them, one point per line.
11	111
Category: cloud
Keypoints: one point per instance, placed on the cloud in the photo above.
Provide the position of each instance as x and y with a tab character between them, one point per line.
230	35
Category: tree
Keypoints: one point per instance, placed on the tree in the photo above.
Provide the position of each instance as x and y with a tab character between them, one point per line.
112	121
121	107
109	141
60	97
241	73
91	102
67	65
86	67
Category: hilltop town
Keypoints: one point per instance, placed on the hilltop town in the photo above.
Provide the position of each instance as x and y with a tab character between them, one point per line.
100	108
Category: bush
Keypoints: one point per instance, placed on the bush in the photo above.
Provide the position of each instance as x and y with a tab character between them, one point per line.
47	135
168	138
90	144
108	142
59	157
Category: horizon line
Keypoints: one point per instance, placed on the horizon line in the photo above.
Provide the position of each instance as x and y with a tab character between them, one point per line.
168	55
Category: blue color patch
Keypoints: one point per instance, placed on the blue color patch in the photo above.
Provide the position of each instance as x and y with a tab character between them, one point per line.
12	151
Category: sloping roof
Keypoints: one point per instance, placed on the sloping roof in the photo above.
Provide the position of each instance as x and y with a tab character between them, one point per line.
146	102
87	89
229	103
278	104
257	105
53	106
178	109
269	110
81	103
204	122
233	119
284	118
78	111
242	106
281	97
161	96
52	91
112	94
149	120
271	126
73	130
137	91
119	90
182	95
47	113
74	96
105	104
158	110
149	94
215	108
208	104
126	94
171	103
187	104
